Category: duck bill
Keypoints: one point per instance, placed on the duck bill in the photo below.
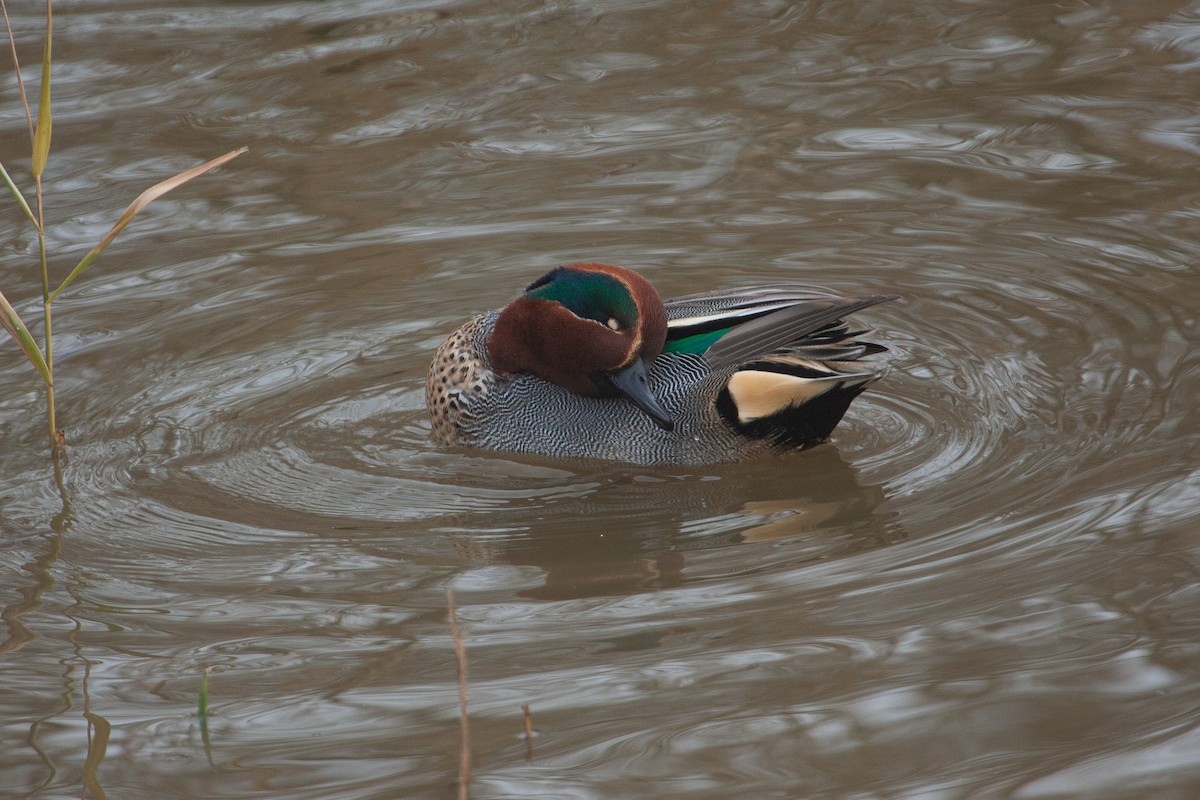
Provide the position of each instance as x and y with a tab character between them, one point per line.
633	383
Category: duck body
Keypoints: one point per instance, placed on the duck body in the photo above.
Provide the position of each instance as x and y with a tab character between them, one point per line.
591	363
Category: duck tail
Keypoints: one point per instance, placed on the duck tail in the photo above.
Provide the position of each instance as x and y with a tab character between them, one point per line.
795	402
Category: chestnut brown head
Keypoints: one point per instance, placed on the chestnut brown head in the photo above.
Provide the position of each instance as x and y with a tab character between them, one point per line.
591	328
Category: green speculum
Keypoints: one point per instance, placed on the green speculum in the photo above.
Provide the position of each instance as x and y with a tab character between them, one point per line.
697	343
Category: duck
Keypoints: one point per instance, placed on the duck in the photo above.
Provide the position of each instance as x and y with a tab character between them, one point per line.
589	362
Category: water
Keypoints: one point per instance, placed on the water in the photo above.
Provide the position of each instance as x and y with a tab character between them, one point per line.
985	587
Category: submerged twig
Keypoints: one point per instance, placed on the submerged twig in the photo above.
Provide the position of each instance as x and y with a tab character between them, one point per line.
65	518
464	746
528	731
202	714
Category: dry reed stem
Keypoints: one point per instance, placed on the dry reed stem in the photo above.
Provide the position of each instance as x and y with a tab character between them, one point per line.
464	747
12	41
528	731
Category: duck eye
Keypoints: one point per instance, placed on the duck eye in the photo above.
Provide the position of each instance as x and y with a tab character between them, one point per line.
612	323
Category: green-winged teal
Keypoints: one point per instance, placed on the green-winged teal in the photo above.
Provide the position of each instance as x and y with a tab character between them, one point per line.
591	363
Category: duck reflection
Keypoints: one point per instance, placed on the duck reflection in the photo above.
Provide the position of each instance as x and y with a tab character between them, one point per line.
641	530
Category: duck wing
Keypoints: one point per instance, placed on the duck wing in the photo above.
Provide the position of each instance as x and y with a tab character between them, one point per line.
735	326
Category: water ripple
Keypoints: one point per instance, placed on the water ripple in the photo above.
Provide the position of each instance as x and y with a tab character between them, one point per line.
985	585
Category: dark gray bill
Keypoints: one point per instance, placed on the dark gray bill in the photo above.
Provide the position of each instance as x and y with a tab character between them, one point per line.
632	383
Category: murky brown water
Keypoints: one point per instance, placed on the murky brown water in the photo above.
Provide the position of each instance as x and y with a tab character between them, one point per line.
986	587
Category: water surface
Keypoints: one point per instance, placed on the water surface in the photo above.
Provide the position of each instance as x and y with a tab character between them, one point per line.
984	587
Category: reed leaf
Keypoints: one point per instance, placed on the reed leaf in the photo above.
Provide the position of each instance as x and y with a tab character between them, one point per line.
144	199
41	134
16	328
202	705
12	187
202	713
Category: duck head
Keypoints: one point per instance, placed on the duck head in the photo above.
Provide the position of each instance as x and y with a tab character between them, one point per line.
590	328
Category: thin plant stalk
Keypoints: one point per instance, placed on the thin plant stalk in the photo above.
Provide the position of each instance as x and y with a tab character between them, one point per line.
39	135
42	359
464	745
57	437
202	714
41	154
12	42
528	719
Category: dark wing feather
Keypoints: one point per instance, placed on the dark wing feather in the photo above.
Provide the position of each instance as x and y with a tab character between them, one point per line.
732	304
783	326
